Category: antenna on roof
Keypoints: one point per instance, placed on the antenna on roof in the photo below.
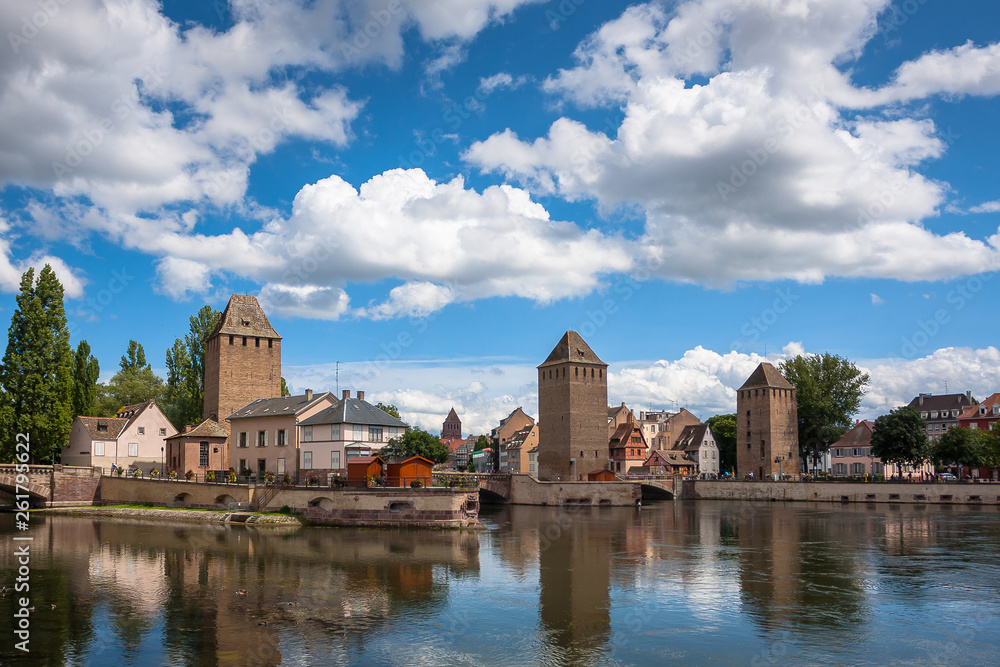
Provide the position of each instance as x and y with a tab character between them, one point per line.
338	378
946	386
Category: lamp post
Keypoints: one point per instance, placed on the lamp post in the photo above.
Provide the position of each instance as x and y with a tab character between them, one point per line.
163	462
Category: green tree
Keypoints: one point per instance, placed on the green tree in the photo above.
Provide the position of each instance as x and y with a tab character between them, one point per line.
482	442
416	442
963	446
390	409
37	372
284	388
828	389
471	467
134	383
724	429
86	370
899	437
185	388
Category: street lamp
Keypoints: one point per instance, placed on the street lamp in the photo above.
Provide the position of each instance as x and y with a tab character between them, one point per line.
163	463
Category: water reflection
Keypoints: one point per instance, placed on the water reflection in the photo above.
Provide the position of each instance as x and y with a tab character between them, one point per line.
685	583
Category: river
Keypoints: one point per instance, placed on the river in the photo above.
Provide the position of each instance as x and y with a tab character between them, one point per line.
687	583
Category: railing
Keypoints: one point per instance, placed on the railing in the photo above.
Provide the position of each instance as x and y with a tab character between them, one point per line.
261	500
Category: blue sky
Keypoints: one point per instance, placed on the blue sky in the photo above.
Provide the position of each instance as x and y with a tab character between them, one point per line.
432	192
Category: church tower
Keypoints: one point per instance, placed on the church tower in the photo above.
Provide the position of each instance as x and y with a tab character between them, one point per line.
767	426
572	412
242	359
451	429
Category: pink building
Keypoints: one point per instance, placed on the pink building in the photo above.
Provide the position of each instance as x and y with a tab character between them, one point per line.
851	456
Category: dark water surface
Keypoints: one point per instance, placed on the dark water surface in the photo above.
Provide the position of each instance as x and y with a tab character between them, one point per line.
706	583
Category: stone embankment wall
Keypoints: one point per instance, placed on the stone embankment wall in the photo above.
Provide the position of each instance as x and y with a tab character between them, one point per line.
125	491
526	490
856	492
432	507
73	486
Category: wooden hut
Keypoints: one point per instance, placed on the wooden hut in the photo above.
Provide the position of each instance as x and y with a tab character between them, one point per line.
601	476
359	469
413	469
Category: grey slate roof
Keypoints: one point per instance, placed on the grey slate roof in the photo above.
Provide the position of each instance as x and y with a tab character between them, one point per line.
691	437
572	348
353	411
938	402
767	375
282	405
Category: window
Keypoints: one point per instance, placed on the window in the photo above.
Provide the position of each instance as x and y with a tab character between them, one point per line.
281	466
257	342
307	433
270	343
375	434
133	449
163	431
244	341
262	438
357	432
102	428
142	430
98	449
840	469
281	440
335	460
203	455
335	432
857	468
231	337
243	464
243	439
307	460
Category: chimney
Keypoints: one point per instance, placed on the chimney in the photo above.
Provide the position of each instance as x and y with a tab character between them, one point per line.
188	428
361	395
968	396
309	395
345	394
921	399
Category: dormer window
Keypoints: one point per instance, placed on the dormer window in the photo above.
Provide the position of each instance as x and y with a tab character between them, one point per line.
142	430
982	409
996	409
102	428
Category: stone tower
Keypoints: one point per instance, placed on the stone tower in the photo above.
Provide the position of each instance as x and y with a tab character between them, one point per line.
242	359
767	426
452	426
572	412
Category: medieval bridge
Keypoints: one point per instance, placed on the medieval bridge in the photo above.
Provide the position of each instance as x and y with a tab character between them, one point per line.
52	486
526	490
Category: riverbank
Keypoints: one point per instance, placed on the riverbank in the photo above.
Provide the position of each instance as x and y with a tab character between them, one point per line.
167	514
938	493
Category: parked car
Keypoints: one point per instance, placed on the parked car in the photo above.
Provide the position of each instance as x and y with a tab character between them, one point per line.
947	477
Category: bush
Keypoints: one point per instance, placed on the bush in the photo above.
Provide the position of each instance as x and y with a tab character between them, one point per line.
285	509
189	475
313	481
416	484
286	479
210	476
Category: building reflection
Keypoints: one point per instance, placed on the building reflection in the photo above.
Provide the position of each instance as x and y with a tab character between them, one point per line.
232	595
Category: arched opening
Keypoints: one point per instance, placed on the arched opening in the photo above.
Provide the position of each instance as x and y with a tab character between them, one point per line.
182	499
322	503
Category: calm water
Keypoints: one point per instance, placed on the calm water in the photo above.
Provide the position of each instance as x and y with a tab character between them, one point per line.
706	583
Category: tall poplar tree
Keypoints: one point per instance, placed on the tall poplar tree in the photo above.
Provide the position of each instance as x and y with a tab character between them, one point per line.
186	369
86	370
37	371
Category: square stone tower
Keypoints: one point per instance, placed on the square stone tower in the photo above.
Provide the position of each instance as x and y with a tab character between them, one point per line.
242	359
572	412
767	425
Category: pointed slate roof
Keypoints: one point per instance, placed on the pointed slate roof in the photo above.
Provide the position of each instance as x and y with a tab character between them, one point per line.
282	405
243	316
572	348
452	416
767	375
113	427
